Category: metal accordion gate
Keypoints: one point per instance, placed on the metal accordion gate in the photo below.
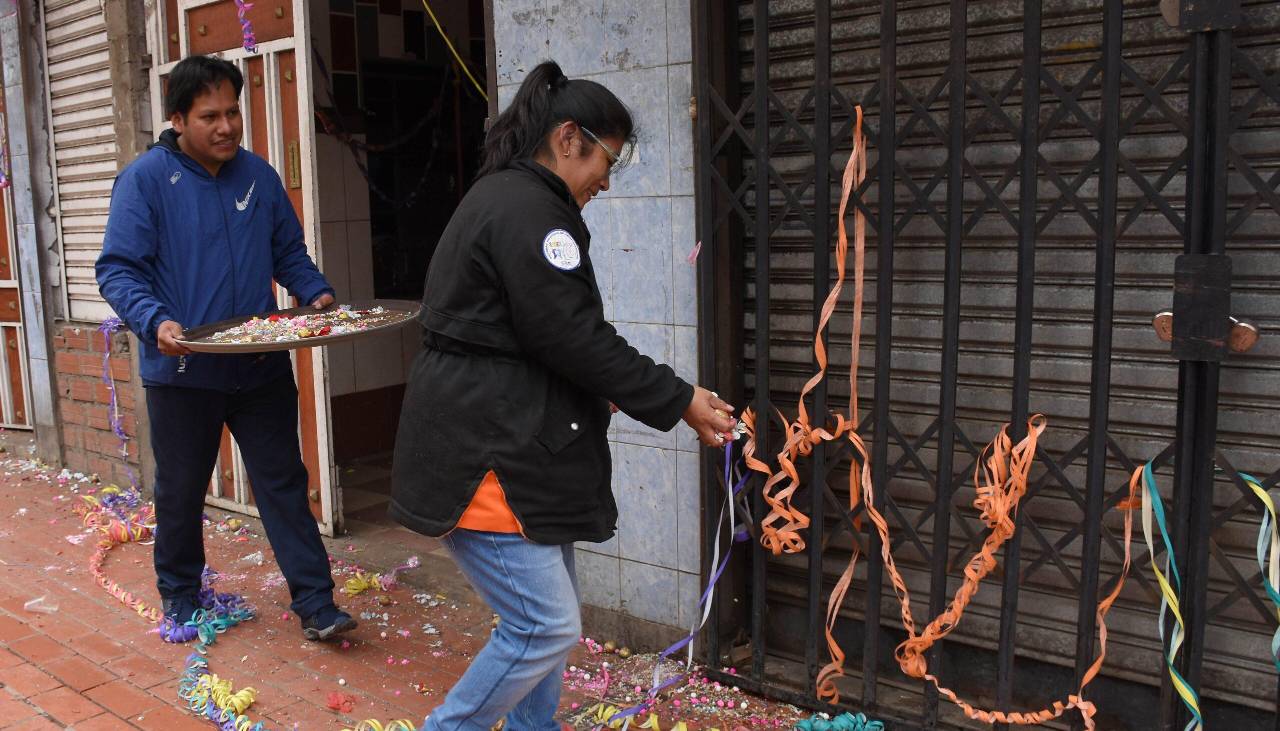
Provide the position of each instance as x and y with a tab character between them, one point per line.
1044	178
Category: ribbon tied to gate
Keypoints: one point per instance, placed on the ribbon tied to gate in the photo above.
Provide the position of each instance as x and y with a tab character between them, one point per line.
246	27
1143	480
1000	479
1268	546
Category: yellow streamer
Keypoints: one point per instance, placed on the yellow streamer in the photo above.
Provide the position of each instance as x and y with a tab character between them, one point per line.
1273	565
1187	693
219	690
465	69
602	712
362	582
369	724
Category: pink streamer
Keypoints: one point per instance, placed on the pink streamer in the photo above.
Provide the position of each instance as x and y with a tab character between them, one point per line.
693	255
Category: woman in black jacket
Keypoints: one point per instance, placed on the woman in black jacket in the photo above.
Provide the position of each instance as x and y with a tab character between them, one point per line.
502	448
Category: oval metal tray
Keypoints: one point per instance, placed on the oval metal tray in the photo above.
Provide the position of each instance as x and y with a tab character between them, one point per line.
197	338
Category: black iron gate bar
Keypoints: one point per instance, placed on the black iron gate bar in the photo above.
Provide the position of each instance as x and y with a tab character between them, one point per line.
957	85
821	278
1103	310
1198	380
1209	56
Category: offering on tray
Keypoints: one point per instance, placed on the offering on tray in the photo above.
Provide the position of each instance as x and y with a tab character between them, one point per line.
278	328
300	327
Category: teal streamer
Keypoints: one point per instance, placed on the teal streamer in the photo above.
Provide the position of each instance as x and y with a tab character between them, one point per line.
1157	505
1264	545
843	722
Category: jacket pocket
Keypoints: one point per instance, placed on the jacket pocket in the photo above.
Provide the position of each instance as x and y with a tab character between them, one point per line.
563	419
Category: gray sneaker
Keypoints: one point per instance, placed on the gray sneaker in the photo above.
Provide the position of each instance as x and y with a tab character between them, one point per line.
180	609
328	622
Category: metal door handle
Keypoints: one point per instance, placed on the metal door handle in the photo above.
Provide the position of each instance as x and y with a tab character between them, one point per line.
1243	335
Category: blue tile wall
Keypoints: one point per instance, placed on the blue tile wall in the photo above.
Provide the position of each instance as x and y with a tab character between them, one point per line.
599	579
593	37
599	215
646	494
680	126
684	273
688	514
679	32
650	592
640	234
522	38
646	94
689	592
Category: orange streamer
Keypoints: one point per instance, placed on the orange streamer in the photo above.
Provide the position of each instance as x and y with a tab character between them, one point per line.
138	527
1000	479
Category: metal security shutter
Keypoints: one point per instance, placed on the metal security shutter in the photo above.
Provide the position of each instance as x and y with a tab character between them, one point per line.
84	142
1144	379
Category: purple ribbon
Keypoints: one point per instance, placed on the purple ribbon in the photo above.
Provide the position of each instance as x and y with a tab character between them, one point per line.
738	537
242	12
215	609
108	328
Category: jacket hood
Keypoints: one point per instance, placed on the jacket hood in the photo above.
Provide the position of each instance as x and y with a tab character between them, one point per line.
168	139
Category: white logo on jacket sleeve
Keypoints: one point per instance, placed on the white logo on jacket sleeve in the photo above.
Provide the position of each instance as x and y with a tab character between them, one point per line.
243	204
561	250
173	179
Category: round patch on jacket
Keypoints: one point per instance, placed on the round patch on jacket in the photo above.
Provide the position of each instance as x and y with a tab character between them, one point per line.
561	250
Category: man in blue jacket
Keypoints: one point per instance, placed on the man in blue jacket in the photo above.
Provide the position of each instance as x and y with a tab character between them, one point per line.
198	230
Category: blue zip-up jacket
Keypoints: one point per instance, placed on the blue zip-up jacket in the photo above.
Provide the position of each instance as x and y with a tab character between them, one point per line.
187	246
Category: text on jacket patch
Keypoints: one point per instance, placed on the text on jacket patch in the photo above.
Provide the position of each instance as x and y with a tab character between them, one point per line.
561	250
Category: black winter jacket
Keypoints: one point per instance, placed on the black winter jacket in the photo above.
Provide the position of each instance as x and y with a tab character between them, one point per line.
518	369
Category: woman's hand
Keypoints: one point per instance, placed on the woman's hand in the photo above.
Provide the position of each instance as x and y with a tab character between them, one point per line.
710	417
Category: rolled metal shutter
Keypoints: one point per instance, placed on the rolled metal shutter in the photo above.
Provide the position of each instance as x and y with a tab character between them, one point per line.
1144	377
84	142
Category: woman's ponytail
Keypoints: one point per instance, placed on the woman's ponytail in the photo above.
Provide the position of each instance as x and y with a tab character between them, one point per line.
518	131
545	99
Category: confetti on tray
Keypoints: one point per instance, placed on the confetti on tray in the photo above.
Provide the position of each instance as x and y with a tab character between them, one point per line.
281	328
300	327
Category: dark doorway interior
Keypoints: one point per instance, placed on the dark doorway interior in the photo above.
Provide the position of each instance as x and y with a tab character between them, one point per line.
422	127
415	186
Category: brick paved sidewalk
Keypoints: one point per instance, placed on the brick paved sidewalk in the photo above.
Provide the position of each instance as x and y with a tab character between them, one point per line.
94	665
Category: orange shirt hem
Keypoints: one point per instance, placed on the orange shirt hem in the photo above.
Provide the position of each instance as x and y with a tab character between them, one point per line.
489	511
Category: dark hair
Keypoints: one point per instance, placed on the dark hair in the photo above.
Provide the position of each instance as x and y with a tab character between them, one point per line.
193	76
546	99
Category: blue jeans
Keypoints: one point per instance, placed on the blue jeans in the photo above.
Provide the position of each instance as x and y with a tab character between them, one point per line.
518	674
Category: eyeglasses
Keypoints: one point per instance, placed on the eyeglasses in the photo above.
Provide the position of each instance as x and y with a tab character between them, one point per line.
617	160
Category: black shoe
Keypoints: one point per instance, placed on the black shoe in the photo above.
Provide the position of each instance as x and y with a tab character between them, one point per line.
180	609
326	623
